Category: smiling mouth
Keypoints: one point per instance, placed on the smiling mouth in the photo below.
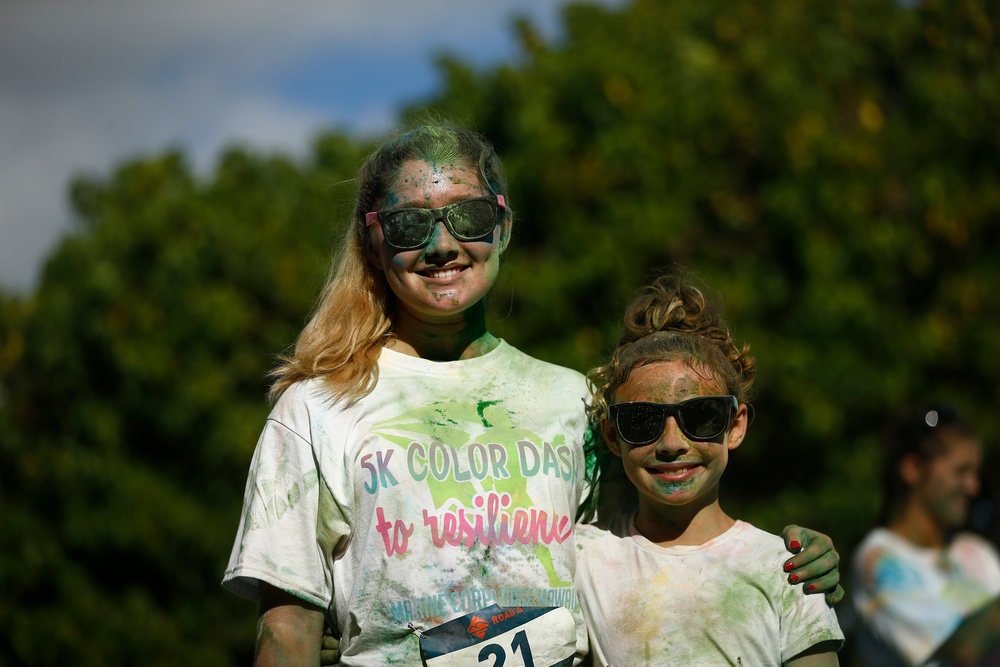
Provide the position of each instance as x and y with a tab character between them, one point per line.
673	473
442	274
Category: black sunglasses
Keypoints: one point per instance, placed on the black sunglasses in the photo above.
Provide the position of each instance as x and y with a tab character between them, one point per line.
701	418
467	220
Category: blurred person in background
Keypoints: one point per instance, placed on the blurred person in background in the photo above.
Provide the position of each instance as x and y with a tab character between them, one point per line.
925	591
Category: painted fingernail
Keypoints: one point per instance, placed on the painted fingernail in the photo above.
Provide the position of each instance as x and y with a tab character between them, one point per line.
795	579
789	567
795	544
811	587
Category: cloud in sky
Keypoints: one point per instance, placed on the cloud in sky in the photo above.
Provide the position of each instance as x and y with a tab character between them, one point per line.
86	84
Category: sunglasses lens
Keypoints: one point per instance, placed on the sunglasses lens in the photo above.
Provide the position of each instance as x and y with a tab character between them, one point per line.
639	423
698	418
410	228
407	229
471	220
705	418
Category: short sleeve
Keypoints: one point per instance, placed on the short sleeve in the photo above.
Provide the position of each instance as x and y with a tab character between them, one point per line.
289	526
806	620
979	558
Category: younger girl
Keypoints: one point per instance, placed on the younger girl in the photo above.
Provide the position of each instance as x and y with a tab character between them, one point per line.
680	582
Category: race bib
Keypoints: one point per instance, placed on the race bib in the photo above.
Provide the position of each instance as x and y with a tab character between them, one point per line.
503	637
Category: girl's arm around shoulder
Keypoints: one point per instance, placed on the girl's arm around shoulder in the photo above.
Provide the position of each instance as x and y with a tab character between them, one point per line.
823	654
816	564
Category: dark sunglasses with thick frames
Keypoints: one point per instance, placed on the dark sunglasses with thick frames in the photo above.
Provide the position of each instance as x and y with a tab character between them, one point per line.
701	418
467	220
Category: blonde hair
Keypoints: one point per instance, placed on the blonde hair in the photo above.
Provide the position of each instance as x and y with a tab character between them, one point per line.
353	318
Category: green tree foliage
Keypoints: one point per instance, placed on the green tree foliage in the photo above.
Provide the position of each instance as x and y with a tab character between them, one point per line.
136	405
829	168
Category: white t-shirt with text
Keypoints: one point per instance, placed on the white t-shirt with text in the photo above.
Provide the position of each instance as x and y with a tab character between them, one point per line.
451	487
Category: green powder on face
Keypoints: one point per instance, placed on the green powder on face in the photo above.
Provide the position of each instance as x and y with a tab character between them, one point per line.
667	489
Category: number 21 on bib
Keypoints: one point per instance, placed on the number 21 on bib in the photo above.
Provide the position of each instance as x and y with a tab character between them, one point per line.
503	637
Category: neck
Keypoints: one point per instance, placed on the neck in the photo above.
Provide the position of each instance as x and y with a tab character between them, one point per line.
918	527
464	337
688	525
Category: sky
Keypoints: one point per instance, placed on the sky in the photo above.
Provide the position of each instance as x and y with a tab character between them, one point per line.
88	84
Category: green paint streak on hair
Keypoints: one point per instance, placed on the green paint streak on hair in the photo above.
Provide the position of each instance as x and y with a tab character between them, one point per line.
443	145
434	144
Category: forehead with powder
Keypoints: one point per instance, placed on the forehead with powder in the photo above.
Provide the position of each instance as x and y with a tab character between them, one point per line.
417	180
419	170
668	381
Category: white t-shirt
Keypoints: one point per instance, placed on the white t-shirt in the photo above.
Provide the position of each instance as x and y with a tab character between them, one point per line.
910	599
725	602
453	486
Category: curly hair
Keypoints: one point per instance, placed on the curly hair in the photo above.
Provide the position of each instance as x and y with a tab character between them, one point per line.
670	319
